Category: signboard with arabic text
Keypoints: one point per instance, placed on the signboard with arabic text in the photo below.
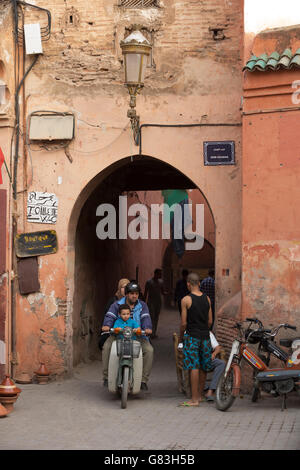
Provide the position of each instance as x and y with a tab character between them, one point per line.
36	243
219	153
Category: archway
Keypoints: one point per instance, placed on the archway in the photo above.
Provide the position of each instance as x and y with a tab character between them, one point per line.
96	264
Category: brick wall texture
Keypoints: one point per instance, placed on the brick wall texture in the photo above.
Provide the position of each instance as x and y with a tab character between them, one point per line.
84	45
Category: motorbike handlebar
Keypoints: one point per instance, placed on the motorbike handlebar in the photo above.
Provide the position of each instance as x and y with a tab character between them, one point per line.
255	320
120	330
238	325
291	327
268	333
282	325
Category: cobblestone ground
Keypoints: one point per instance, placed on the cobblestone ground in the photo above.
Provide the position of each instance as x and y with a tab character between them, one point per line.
79	413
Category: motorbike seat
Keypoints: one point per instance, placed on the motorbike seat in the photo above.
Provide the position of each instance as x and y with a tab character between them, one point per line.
287	342
273	375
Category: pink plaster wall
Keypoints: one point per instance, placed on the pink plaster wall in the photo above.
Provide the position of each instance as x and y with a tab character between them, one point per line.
271	196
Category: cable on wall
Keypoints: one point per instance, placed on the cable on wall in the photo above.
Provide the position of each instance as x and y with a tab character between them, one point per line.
221	124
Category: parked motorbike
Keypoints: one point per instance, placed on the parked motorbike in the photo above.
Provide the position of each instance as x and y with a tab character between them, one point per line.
125	365
267	347
279	381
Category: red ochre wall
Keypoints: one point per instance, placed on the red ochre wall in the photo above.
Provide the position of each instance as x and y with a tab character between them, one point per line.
271	194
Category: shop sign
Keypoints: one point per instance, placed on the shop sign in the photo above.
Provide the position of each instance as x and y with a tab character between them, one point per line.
36	243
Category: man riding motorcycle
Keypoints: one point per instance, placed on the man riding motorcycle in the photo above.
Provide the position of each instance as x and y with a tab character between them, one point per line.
139	313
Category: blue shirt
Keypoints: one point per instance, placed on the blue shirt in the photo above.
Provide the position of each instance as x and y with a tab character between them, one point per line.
119	323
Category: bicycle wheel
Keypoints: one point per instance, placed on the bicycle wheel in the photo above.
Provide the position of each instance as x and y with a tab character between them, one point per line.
125	387
255	394
224	396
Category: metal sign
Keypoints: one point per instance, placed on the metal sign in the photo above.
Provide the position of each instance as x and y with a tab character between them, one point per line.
219	153
42	207
28	275
36	243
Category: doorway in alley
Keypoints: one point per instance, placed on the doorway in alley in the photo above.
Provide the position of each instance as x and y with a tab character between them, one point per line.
100	263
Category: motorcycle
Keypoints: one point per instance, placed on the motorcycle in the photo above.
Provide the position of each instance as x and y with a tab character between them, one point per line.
125	365
274	381
266	344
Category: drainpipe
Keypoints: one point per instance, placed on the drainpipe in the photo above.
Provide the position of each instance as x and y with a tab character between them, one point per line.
14	224
13	212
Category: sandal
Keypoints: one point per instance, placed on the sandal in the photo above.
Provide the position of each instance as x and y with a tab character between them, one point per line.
210	398
187	404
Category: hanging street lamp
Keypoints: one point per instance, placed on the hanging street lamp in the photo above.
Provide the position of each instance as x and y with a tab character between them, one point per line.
136	50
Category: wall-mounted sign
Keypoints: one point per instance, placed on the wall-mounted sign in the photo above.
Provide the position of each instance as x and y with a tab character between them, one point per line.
219	153
42	207
36	243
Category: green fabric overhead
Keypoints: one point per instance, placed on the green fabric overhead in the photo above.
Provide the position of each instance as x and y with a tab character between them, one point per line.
173	196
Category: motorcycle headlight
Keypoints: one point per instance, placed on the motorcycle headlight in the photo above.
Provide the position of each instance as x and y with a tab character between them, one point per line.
127	332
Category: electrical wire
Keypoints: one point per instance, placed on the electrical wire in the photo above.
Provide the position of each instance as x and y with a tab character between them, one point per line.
221	124
19	36
102	148
45	31
17	113
101	126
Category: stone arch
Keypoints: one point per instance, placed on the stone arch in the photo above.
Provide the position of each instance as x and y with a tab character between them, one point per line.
117	169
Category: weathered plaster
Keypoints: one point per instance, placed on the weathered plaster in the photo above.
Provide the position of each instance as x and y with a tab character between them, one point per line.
81	71
271	233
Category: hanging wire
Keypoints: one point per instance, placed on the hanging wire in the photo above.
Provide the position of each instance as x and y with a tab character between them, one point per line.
19	37
45	30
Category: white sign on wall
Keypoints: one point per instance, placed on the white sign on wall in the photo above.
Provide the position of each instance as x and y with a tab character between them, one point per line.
42	207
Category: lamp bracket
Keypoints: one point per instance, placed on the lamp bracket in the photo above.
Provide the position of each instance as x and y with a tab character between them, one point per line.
134	89
135	124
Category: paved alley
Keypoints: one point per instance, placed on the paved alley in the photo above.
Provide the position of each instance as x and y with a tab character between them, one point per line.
79	413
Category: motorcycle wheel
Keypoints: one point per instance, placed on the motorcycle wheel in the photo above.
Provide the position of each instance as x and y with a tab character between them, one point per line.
125	387
224	397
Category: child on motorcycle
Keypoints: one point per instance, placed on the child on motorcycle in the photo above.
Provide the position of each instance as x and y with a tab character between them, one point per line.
125	320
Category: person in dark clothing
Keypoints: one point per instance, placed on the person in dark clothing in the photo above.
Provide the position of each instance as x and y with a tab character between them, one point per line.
196	318
207	286
154	289
181	289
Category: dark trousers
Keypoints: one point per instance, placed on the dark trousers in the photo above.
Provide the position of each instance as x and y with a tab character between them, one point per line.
154	311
